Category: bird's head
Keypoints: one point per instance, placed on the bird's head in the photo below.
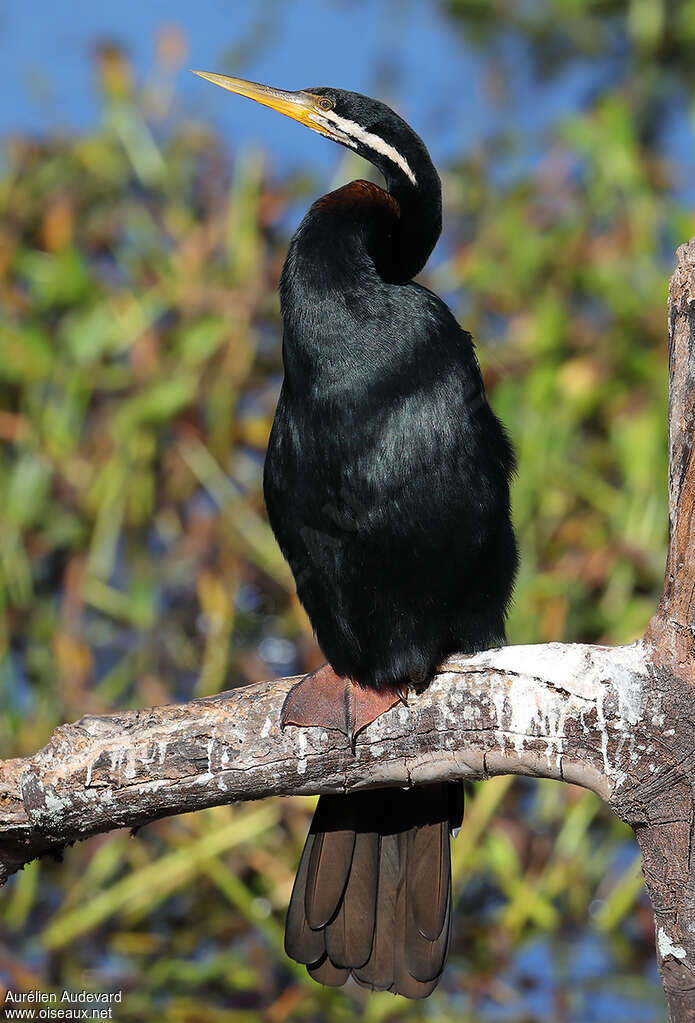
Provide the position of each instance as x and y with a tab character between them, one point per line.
365	125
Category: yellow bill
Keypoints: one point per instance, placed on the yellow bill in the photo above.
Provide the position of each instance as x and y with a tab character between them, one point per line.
300	106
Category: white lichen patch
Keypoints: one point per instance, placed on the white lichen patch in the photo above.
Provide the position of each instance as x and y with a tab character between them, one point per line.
667	947
130	768
155	784
265	730
302	743
54	805
574	666
536	690
402	713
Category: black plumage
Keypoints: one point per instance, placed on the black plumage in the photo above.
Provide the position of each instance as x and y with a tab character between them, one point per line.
387	487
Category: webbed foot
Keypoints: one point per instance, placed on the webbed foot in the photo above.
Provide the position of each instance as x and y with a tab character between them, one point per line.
326	700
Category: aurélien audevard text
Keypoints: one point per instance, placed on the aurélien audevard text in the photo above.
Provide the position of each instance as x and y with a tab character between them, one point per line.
65	1005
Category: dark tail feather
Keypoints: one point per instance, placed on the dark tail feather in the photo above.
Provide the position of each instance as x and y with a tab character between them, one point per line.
429	866
329	862
372	895
378	972
301	943
349	935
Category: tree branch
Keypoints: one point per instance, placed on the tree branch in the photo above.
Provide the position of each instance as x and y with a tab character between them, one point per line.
556	711
618	720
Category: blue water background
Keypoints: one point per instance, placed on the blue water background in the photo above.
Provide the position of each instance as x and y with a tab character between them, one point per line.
406	52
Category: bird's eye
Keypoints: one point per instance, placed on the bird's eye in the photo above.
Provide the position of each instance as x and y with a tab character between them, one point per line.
325	103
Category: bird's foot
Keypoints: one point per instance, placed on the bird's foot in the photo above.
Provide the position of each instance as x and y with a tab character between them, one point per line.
326	700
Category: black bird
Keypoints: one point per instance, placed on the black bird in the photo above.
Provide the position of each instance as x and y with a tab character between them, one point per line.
387	486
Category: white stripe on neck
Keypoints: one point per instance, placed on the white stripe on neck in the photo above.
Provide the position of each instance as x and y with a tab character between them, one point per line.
352	130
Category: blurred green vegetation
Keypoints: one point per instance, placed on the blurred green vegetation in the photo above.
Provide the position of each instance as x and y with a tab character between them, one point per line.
139	368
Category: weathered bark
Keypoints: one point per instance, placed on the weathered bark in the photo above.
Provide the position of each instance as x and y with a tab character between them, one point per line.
618	720
665	832
671	628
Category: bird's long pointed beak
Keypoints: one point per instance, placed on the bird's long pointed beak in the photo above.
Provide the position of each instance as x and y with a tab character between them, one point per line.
300	106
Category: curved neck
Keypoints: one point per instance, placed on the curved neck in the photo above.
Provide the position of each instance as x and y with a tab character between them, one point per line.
420	221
